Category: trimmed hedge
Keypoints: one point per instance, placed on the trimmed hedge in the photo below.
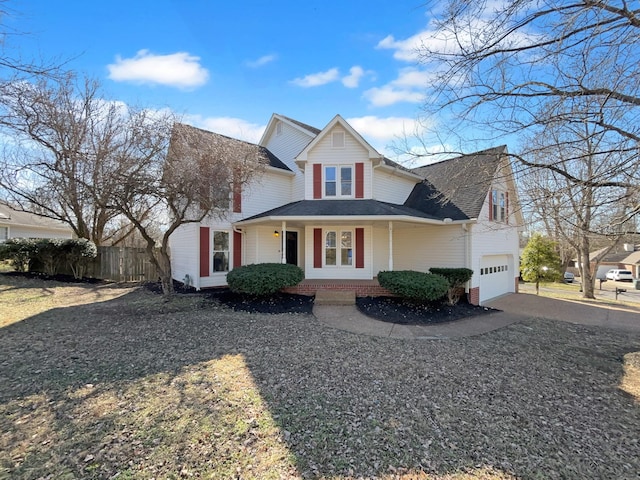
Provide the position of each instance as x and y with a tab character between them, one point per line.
263	279
456	277
414	285
19	252
47	254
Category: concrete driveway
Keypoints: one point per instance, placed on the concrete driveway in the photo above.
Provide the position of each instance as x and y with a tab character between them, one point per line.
596	313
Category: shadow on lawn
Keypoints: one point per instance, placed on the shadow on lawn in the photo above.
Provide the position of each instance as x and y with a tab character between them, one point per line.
147	389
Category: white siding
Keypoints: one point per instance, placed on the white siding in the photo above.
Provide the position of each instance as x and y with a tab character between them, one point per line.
380	239
352	153
288	144
490	239
184	247
22	231
261	246
422	247
391	188
269	191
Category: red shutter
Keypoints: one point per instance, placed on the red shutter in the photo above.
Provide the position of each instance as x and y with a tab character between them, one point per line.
317	180
205	251
317	248
490	204
237	198
359	180
506	208
359	247
237	249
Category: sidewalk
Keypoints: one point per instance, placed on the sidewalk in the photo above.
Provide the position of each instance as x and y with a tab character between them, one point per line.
515	307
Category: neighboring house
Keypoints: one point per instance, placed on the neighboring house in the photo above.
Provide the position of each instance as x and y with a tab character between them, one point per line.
18	224
333	205
625	257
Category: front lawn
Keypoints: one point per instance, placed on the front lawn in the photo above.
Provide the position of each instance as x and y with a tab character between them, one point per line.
98	381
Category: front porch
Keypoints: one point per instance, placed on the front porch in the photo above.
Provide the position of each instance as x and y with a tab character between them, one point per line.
363	288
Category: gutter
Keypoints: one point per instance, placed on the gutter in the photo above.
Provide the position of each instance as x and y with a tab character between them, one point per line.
355	218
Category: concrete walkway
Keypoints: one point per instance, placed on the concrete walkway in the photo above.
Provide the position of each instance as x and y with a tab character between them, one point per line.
515	307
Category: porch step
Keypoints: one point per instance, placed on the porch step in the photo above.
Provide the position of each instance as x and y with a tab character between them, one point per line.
335	297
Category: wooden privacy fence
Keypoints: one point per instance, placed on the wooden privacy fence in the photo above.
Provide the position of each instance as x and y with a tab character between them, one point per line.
123	264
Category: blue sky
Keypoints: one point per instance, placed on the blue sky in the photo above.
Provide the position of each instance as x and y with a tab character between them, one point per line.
228	65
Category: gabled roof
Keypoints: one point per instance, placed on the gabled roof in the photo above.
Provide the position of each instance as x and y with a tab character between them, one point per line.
217	138
618	255
309	128
458	185
373	153
12	216
426	198
341	208
276	117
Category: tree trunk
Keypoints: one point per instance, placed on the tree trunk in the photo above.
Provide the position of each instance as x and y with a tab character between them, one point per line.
165	272
587	278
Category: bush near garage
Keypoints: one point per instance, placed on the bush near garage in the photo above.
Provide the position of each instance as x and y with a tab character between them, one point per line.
415	286
263	279
456	277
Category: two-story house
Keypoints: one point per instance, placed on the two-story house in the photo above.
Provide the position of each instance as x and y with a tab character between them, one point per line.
331	204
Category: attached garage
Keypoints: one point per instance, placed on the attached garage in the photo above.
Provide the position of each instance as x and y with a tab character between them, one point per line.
496	276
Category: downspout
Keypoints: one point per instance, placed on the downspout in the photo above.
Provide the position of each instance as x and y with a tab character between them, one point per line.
390	246
467	254
283	246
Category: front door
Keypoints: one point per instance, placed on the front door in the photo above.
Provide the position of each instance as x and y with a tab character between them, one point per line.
292	248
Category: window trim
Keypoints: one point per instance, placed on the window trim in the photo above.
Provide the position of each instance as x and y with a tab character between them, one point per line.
227	252
338	180
2	240
338	248
498	205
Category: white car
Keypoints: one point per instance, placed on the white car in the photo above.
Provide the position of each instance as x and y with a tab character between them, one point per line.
620	275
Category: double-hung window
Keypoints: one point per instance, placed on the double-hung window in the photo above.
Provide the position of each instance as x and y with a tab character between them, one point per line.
338	250
338	181
220	251
4	234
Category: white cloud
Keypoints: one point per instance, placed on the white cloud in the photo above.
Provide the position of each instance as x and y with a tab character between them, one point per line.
262	61
410	87
229	126
317	79
179	69
389	95
385	129
355	75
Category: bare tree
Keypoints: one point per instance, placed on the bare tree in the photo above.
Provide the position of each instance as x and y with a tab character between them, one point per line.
191	178
12	64
66	139
564	77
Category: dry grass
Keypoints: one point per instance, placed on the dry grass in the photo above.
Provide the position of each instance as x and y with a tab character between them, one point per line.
117	383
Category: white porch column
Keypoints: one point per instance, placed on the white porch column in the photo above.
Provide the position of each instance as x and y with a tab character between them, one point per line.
390	246
284	242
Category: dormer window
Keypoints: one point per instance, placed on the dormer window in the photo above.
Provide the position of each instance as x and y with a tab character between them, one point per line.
337	139
338	181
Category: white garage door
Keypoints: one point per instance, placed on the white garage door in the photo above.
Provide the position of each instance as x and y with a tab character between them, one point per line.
496	276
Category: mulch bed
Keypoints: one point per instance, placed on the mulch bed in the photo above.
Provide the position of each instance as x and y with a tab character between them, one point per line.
397	310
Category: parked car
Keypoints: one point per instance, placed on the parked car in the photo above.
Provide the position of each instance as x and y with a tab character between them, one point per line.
569	277
620	275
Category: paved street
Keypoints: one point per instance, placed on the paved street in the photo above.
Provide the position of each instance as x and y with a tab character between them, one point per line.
606	292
